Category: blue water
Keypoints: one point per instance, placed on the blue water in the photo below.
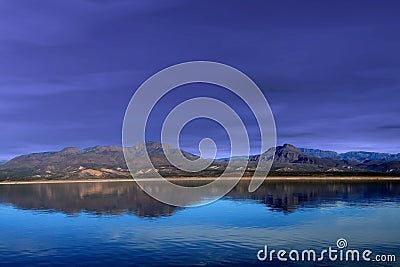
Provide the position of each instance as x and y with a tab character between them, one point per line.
101	224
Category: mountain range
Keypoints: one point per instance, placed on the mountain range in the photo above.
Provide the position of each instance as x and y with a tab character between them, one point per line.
360	156
109	162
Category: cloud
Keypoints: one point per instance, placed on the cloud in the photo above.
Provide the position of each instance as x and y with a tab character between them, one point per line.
390	127
69	68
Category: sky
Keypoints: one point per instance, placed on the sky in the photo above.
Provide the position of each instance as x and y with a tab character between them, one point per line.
329	69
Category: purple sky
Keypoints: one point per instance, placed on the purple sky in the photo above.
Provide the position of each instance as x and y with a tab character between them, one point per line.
330	69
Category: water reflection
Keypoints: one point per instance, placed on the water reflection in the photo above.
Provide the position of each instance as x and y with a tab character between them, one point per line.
126	197
289	196
111	198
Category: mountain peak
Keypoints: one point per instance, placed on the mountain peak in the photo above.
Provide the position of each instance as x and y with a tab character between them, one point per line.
288	153
289	146
70	150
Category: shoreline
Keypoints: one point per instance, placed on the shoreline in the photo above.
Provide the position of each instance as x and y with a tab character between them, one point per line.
276	178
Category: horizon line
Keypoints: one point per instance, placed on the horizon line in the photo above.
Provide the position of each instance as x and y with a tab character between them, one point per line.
298	147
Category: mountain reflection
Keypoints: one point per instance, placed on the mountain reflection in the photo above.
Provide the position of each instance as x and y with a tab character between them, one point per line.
115	198
111	198
289	196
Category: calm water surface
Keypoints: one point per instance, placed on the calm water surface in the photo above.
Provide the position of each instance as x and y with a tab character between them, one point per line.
82	224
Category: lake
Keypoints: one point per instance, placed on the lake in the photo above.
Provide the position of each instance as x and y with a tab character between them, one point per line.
116	223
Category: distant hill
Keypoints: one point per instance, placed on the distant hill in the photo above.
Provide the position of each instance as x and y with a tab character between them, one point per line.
65	163
2	162
352	155
109	162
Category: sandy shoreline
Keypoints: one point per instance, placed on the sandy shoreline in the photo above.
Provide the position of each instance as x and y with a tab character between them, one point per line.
277	178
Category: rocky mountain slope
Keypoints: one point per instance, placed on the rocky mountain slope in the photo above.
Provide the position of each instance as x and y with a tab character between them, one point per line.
67	162
288	158
95	162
